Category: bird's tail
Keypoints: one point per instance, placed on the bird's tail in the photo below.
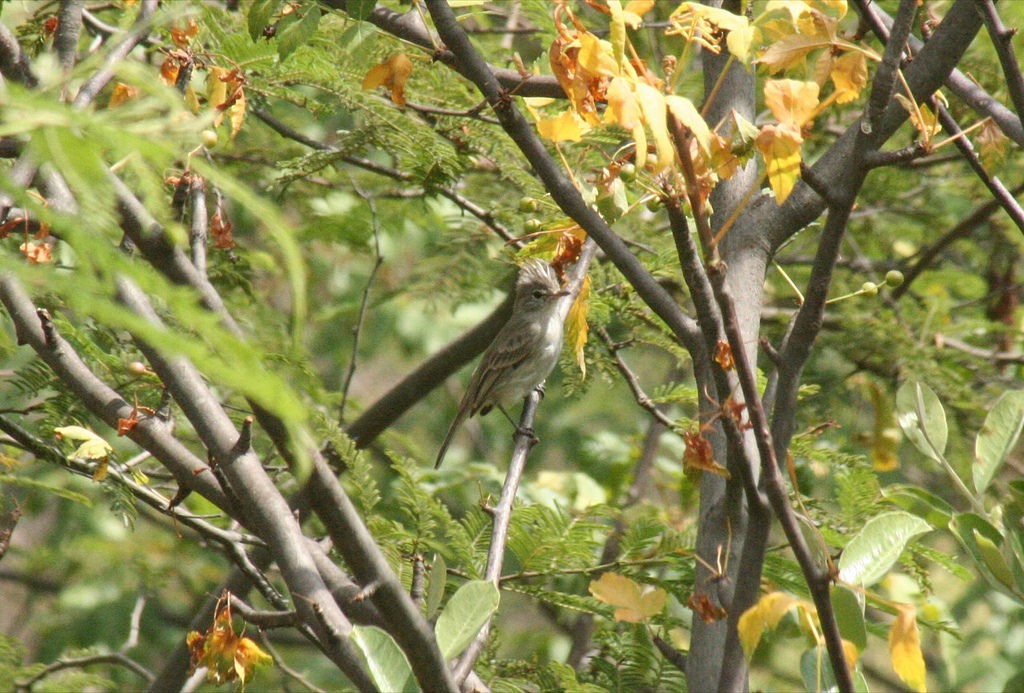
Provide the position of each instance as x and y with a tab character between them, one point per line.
459	418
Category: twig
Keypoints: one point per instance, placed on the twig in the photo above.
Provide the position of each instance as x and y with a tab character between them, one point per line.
80	663
14	63
448	192
378	260
273	521
65	38
134	624
962	229
200	223
1002	41
994	185
641	397
885	79
135	35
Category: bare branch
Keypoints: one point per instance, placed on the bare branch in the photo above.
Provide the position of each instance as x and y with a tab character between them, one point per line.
133	37
1002	41
63	663
264	507
962	229
150	433
69	26
14	62
994	185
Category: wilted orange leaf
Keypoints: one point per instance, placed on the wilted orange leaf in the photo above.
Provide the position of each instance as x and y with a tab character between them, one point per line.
220	228
181	36
723	355
699	456
37	251
226	655
905	648
635	602
706	610
393	74
169	71
780	147
121	93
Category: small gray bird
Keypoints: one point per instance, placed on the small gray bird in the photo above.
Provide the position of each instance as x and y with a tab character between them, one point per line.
522	354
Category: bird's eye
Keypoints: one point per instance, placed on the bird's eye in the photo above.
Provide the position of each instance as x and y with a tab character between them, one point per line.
538	293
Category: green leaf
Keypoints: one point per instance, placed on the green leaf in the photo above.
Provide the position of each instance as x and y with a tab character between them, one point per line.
816	670
874	549
984	542
385	660
850	616
921	502
997	437
464	615
9	480
435	588
922	418
360	9
299	32
260	14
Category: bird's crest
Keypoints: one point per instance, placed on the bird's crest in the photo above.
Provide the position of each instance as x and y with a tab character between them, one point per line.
538	272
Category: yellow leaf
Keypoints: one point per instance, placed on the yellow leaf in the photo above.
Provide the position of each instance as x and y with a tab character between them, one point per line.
708	25
849	75
596	56
622	104
885	435
780	147
236	114
567	126
992	143
191	100
393	74
636	602
764	615
790	50
923	118
617	32
92	447
687	114
576	325
634	11
652	103
851	653
216	88
74	433
905	648
738	42
792	102
247	657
